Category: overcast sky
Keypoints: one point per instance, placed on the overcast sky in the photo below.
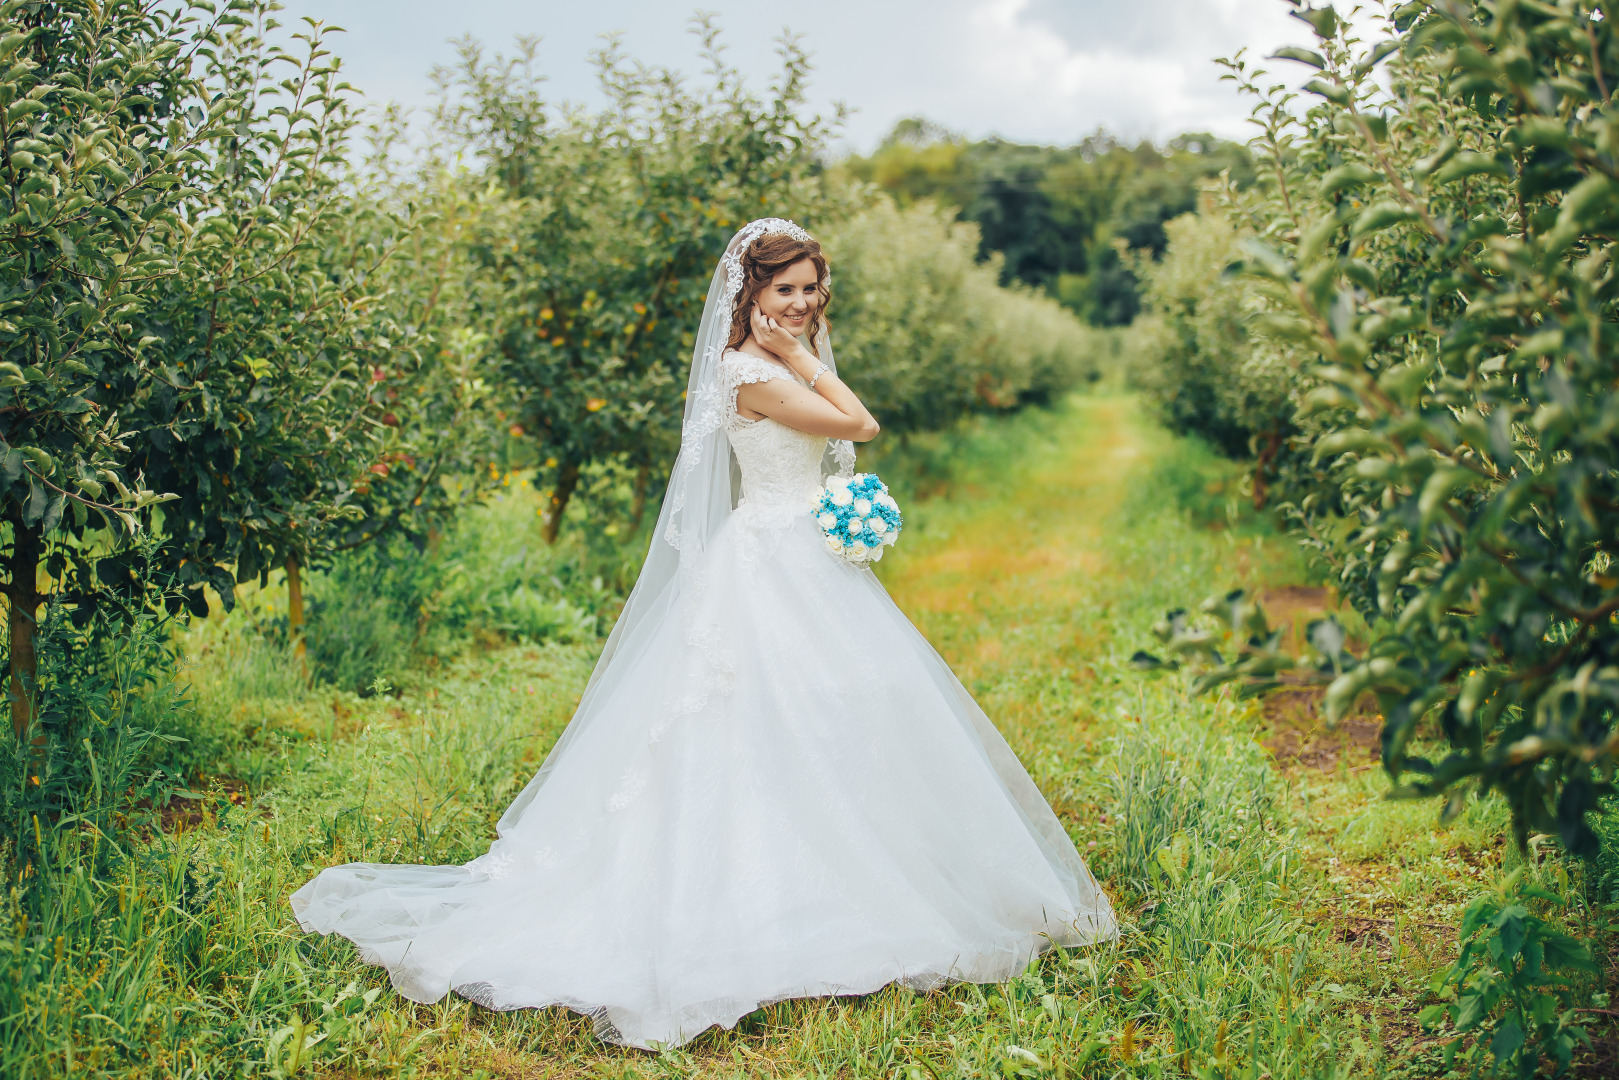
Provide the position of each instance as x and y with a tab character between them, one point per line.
1030	70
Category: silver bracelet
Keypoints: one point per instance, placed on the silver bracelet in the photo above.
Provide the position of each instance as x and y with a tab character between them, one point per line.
816	377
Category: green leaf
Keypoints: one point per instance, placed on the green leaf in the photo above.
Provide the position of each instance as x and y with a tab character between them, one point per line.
1347	440
1542	344
42	461
35	507
1471	1010
1470	164
1404	382
1315	239
1381	215
1508	1039
1323	20
1589	203
1266	260
20	110
1511	932
12	42
1380	51
1303	56
1439	489
1443	153
1538	131
1342	693
53	513
1344	177
1333	92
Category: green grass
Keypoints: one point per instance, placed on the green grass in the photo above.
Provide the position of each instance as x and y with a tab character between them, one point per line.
1039	550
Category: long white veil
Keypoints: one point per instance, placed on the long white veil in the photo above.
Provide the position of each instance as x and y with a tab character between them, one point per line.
700	496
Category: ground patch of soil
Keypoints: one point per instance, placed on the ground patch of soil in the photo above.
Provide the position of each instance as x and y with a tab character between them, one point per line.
188	809
1298	735
1292	608
1601	1058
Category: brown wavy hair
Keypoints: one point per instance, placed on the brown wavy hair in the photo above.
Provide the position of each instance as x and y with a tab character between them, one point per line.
763	259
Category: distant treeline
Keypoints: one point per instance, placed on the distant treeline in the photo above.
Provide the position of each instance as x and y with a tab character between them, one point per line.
1059	215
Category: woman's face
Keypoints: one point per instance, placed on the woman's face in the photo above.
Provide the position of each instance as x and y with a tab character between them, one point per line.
792	297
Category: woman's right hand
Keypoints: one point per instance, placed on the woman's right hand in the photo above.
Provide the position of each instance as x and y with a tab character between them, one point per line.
775	338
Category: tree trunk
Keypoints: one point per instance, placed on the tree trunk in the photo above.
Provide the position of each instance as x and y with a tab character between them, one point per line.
1273	446
638	507
567	480
23	592
295	608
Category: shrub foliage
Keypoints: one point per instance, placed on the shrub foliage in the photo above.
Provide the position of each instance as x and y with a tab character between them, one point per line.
1431	235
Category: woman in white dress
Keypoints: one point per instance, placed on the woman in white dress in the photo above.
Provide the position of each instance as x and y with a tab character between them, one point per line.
773	787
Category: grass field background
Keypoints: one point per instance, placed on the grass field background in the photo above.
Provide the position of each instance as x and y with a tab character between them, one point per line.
1281	918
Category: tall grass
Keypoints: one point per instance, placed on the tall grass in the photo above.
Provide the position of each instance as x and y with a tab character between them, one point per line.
175	955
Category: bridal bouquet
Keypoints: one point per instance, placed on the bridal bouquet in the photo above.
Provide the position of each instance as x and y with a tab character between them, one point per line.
857	517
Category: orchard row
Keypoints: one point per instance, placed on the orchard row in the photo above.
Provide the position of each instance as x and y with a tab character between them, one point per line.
247	319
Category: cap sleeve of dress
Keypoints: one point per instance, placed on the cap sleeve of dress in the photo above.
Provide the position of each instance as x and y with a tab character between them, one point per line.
738	368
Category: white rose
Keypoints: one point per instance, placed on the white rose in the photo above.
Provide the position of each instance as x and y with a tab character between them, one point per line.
828	520
838	483
835	543
891	538
841	497
887	501
856	526
858	550
878	525
862	507
877	553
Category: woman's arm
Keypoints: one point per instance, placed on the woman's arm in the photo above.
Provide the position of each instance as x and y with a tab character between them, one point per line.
831	409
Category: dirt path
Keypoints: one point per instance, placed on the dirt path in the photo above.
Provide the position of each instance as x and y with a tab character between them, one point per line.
1014	557
1000	579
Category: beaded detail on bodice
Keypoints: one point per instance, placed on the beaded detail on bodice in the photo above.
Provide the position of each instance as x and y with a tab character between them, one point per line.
781	466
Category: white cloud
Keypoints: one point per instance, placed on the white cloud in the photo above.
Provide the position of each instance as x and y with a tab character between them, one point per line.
1030	70
1149	73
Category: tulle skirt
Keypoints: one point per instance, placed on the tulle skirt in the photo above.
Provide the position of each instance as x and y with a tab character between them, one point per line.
781	791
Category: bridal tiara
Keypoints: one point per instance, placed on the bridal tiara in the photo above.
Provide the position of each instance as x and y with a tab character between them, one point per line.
749	233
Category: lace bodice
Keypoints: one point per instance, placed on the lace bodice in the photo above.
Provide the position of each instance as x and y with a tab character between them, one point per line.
781	466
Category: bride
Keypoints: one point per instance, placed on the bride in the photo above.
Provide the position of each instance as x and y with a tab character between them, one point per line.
773	787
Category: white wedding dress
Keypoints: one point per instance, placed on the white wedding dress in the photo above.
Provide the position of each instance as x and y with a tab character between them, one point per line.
784	793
